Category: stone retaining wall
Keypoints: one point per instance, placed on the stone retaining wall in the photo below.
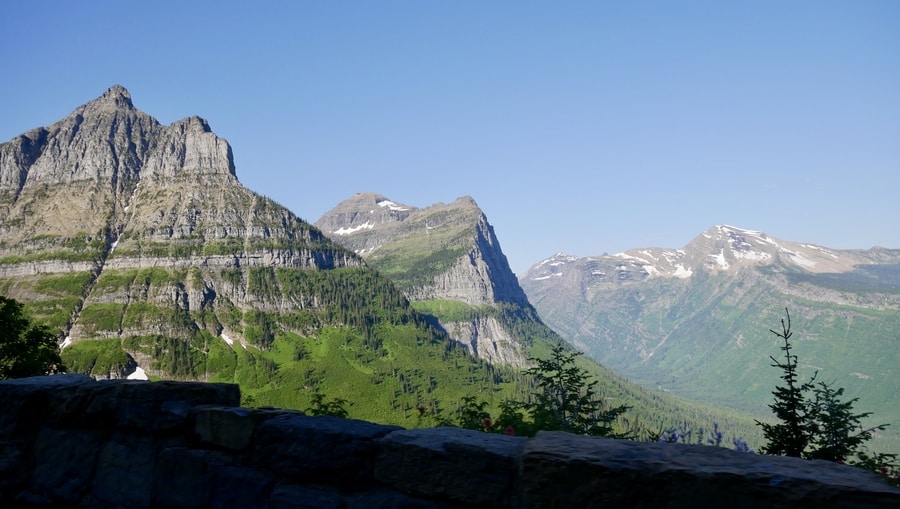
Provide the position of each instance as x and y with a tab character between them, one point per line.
70	441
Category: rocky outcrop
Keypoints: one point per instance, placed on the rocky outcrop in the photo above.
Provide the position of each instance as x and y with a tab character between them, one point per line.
70	441
485	337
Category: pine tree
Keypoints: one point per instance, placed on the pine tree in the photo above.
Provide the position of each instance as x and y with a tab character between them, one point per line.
791	436
837	431
566	400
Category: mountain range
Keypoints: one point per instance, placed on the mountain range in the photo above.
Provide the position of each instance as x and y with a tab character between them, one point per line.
696	321
137	241
139	244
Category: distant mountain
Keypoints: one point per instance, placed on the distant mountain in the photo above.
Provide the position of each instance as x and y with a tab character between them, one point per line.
695	321
137	241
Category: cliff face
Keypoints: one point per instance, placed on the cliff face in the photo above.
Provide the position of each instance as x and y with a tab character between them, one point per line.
444	252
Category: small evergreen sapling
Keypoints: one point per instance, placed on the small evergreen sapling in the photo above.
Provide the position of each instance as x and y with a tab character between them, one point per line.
791	436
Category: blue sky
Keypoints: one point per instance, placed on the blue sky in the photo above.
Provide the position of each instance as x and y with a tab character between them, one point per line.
583	127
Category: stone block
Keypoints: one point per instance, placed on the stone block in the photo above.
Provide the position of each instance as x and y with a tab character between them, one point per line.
184	477
331	450
133	404
26	404
64	461
292	496
237	486
231	427
12	460
124	472
563	470
462	465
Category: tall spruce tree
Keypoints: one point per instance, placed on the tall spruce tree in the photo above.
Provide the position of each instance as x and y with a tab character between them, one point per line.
791	436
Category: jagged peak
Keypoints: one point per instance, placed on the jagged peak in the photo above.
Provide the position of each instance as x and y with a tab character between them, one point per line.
192	122
116	97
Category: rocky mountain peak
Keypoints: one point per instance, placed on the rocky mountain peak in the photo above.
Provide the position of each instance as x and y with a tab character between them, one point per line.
108	191
116	97
362	212
190	145
452	250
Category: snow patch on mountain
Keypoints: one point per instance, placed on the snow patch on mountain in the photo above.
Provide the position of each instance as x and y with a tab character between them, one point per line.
391	205
347	230
138	374
681	272
821	250
720	260
801	260
556	260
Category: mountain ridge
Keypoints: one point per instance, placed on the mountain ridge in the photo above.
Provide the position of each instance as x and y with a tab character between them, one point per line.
723	248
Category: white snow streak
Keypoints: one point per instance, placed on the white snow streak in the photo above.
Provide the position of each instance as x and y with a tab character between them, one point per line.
391	205
227	339
752	255
820	249
681	272
720	259
348	231
802	260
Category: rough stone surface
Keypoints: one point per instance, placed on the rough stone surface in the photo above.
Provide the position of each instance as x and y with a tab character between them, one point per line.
599	472
231	427
79	450
458	464
318	447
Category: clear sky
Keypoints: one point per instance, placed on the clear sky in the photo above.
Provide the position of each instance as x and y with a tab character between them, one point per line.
583	127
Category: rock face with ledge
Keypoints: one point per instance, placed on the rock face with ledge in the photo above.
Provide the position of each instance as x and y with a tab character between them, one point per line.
70	441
